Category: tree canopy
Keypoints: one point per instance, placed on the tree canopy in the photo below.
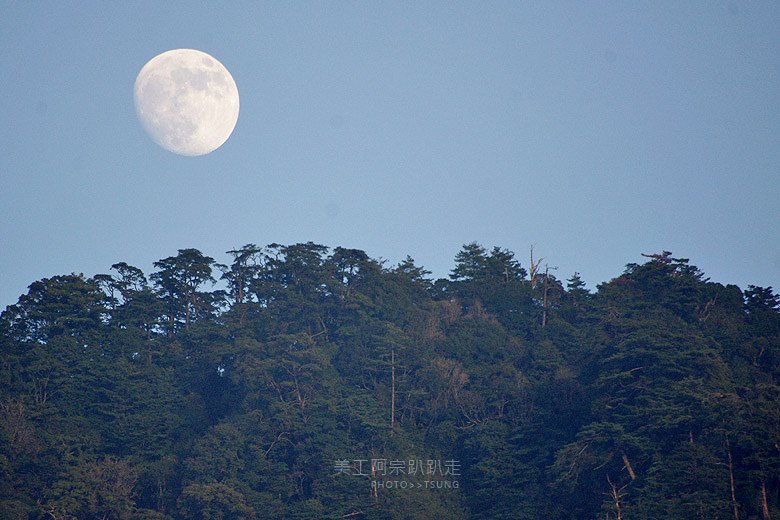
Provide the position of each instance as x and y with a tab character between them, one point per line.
308	382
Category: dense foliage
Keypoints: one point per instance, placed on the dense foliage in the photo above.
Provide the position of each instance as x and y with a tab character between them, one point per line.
284	384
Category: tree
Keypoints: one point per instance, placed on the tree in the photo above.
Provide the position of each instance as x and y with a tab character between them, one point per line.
655	396
179	283
247	262
95	489
574	302
62	305
213	501
474	263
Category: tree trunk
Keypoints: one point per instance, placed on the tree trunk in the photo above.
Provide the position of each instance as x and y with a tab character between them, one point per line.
545	294
161	496
188	309
734	505
532	270
628	465
392	395
374	485
615	493
764	503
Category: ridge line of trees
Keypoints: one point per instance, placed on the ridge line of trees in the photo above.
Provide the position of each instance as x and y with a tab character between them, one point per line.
132	396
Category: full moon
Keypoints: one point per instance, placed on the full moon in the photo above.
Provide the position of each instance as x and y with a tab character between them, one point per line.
187	101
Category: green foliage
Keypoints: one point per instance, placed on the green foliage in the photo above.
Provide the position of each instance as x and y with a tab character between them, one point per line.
213	501
123	396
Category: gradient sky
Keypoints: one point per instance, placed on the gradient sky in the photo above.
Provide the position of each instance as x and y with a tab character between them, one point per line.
593	130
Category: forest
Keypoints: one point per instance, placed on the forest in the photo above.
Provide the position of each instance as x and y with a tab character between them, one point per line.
308	382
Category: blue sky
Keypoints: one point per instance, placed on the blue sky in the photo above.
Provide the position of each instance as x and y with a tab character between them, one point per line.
593	130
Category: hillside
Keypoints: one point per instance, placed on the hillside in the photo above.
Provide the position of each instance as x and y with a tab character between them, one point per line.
320	383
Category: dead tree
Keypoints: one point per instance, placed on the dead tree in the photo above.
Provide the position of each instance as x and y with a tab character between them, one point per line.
534	268
616	494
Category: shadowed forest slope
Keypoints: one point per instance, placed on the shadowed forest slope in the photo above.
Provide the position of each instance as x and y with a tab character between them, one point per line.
304	382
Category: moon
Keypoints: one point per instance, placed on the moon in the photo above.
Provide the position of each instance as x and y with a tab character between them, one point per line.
187	101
